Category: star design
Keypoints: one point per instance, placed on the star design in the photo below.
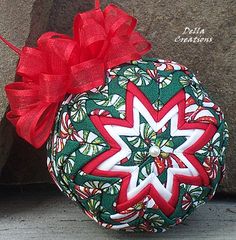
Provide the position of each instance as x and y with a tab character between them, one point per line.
107	164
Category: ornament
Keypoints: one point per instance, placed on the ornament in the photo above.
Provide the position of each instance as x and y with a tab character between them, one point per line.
136	142
145	149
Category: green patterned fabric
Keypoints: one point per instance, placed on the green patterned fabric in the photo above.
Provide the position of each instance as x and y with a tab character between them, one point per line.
99	151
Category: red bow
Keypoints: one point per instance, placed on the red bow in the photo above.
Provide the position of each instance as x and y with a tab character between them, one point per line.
61	64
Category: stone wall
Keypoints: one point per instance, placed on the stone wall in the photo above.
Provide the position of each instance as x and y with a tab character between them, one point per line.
163	22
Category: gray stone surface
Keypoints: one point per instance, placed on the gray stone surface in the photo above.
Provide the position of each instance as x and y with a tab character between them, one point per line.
21	22
39	214
161	22
14	26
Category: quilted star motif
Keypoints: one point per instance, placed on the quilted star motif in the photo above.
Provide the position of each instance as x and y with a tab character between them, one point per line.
184	166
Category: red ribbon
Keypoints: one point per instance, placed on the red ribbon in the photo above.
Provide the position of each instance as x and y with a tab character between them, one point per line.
61	64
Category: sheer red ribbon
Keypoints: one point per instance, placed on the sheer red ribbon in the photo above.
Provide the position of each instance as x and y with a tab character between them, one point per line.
60	65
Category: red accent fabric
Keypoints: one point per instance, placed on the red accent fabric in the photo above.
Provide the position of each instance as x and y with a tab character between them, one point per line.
99	121
61	64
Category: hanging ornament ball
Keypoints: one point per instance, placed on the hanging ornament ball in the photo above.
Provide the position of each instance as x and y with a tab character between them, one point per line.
141	152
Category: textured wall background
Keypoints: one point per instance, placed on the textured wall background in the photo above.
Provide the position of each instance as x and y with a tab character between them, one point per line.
161	21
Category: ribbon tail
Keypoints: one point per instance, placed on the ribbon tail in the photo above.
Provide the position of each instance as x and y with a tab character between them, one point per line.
10	45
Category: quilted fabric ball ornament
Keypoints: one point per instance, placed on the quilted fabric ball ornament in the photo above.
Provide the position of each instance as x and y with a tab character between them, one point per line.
142	151
137	142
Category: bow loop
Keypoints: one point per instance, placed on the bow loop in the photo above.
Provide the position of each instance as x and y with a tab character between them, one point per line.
52	88
31	63
93	19
117	22
21	96
140	43
61	65
81	72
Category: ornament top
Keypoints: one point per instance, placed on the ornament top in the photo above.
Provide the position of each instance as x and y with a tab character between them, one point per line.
61	65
